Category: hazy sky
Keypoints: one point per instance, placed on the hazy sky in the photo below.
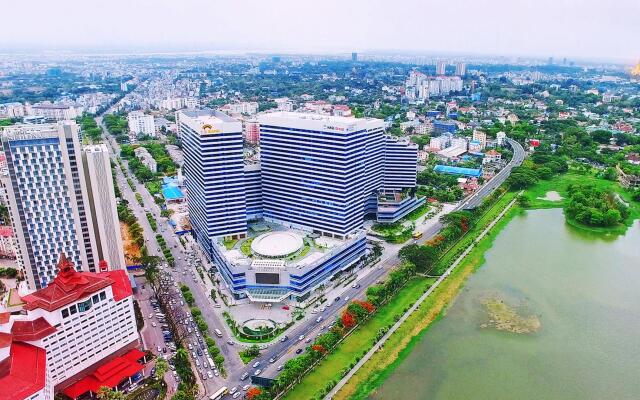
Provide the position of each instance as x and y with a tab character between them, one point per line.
559	28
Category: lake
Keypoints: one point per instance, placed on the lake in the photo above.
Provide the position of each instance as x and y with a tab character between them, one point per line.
573	298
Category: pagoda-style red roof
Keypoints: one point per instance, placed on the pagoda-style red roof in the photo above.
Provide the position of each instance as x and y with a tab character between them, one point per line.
69	286
31	330
121	287
109	374
5	340
22	373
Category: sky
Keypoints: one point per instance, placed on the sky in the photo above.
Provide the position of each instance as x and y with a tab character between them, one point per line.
587	29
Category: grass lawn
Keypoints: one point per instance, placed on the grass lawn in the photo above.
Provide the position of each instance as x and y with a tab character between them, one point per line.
359	341
230	243
245	247
418	212
561	183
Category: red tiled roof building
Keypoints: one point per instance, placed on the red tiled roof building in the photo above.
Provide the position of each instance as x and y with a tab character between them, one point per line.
80	324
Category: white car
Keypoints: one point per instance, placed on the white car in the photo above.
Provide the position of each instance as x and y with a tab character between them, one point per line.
154	324
256	364
258	371
246	387
235	396
346	299
301	337
233	390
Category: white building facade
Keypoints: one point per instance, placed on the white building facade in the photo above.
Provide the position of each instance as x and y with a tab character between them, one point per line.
141	124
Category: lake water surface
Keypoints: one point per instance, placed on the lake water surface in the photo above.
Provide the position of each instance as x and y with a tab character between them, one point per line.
583	289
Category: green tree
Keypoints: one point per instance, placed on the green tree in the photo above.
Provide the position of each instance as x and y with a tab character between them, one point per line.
162	366
106	393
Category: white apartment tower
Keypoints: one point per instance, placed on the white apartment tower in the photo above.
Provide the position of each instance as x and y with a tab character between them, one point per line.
49	202
461	68
140	123
441	67
104	212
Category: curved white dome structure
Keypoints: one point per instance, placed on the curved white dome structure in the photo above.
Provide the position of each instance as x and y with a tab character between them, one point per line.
277	244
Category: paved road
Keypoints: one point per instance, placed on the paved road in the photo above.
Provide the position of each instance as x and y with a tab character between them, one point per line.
476	199
232	361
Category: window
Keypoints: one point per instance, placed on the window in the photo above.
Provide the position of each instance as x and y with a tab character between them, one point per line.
95	298
84	306
65	313
73	309
103	296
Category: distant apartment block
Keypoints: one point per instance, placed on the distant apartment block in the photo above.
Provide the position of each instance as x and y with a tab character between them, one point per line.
146	158
461	68
441	67
420	87
57	112
248	108
252	132
141	123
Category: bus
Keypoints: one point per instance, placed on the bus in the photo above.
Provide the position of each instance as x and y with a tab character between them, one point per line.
416	235
217	332
219	394
211	364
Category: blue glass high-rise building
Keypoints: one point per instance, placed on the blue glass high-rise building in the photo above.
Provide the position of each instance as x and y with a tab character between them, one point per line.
214	171
317	171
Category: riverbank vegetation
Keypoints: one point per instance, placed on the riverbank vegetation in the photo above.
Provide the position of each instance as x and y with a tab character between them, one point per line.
399	298
371	375
535	197
593	206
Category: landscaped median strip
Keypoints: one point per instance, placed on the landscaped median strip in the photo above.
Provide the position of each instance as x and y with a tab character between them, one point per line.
417	304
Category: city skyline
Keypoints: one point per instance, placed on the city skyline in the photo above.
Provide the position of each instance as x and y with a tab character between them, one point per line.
545	29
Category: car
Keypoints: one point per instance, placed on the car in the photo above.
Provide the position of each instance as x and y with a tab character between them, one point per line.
199	352
314	311
190	346
230	342
323	309
300	338
308	340
284	338
319	319
329	304
150	316
154	324
210	374
244	376
279	367
159	349
246	387
273	359
204	377
216	373
322	327
235	396
233	390
346	299
258	371
256	364
337	299
355	286
298	351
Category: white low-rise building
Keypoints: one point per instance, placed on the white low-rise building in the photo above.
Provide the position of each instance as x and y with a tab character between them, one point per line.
141	123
